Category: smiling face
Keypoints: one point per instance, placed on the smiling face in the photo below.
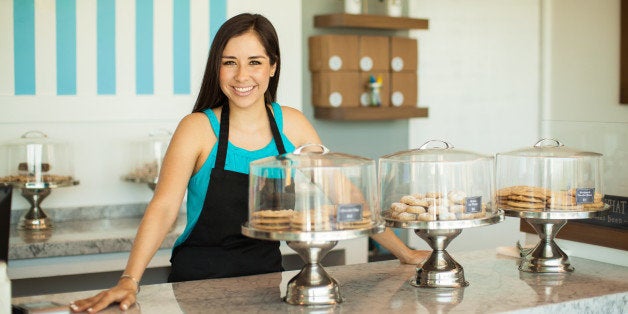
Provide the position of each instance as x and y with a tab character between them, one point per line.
245	70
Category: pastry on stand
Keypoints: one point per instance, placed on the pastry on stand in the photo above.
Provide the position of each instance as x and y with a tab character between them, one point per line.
437	190
147	155
313	198
549	184
36	165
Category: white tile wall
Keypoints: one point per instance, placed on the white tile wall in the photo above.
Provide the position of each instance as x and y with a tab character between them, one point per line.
479	73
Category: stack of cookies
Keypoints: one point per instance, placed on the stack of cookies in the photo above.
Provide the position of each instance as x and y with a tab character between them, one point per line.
48	178
533	198
322	219
311	220
275	220
365	222
432	206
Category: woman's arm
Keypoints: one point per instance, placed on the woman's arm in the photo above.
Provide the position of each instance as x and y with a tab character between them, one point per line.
392	243
179	163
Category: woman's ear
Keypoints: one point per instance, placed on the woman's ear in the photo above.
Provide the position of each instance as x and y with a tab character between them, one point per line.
273	68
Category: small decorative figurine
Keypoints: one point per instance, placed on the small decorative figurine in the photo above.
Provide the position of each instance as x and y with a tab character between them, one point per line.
374	86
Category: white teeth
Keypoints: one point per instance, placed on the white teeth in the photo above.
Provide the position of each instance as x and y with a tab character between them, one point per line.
243	89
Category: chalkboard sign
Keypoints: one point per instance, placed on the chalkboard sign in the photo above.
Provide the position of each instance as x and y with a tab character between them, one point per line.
617	215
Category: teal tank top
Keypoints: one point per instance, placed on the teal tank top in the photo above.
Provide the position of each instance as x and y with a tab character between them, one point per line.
237	160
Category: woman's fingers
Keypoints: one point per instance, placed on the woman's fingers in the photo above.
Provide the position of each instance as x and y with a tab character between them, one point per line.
104	299
127	301
83	304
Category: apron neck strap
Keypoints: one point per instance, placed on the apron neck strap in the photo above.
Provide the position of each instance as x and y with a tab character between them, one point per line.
223	137
275	130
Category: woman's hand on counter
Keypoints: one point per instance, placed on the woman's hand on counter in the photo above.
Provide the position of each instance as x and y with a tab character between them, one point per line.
124	293
414	257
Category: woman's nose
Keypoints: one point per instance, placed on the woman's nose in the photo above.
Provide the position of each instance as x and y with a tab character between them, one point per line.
241	73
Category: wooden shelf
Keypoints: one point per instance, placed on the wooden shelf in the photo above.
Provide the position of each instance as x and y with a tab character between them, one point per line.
369	21
369	113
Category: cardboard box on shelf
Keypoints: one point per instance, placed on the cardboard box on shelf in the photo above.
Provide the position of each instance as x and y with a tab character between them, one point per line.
384	92
336	89
403	89
374	53
333	53
403	54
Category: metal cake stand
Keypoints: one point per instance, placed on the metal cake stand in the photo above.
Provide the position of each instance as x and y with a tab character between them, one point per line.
312	285
440	270
546	256
35	193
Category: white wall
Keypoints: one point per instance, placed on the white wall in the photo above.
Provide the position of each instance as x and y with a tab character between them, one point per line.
100	128
479	76
580	95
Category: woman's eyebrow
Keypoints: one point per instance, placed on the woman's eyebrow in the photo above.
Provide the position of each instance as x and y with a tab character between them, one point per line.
251	57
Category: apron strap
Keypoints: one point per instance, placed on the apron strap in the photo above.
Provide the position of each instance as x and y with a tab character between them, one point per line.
223	137
275	130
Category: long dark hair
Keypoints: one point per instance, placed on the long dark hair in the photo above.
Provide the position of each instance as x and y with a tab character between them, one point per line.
210	94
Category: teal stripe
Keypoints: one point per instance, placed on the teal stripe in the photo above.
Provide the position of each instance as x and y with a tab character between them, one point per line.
24	46
106	46
217	16
181	46
66	47
144	46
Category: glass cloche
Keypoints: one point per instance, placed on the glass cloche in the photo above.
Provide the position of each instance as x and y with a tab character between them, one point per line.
436	182
313	189
36	161
147	155
36	164
549	177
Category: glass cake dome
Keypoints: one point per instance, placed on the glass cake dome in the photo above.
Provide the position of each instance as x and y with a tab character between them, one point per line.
36	161
313	189
549	176
436	182
147	155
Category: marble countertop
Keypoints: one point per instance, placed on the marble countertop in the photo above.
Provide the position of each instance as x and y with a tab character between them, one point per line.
84	231
495	286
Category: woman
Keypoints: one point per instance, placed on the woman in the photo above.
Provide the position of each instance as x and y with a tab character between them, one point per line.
234	121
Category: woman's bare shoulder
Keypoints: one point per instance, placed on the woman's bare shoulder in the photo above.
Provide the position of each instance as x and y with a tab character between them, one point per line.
298	128
194	126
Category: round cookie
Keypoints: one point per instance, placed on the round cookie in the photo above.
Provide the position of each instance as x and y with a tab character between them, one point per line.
398	207
433	195
427	217
457	197
404	216
447	216
524	205
415	209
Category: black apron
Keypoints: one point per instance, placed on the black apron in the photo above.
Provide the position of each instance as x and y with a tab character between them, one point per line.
216	247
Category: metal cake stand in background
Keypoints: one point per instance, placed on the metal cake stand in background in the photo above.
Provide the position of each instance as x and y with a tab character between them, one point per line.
312	285
546	256
35	218
440	270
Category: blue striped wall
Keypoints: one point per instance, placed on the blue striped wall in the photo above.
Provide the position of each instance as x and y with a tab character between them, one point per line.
66	48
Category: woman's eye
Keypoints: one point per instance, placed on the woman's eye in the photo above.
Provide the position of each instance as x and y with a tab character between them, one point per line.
228	62
255	62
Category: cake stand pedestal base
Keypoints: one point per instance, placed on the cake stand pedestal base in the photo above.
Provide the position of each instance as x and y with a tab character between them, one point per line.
440	270
546	256
313	285
35	218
